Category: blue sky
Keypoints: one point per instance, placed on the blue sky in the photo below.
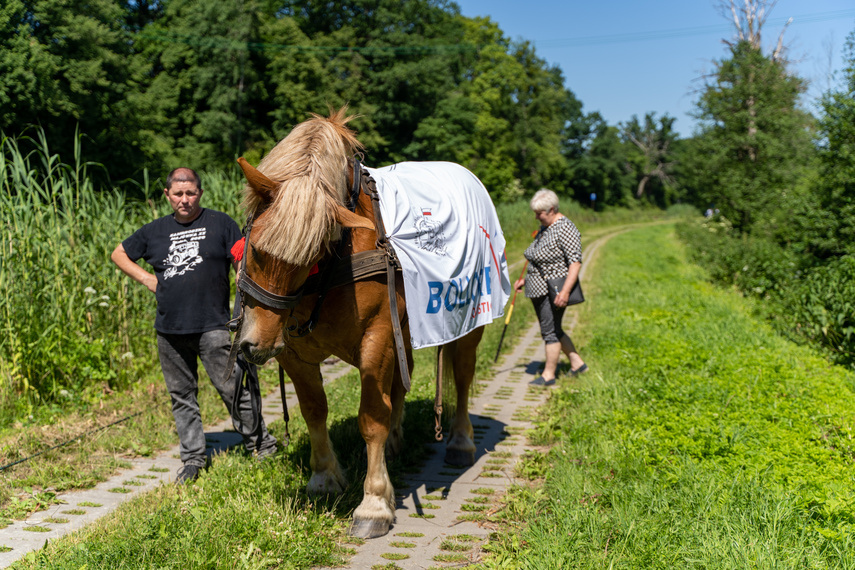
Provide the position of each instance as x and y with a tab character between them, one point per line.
630	57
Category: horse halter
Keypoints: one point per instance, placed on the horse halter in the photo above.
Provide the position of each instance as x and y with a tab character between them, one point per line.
249	287
287	302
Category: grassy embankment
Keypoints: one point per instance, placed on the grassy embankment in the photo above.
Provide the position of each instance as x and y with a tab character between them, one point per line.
700	439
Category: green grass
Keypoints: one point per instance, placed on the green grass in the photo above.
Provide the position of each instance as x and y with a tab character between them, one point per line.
700	438
262	508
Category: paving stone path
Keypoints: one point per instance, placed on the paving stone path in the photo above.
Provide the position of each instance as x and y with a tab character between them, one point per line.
438	509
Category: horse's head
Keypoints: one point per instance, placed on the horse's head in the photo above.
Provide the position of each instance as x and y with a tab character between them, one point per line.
295	199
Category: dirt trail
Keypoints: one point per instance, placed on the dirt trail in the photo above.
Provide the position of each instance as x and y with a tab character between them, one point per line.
431	526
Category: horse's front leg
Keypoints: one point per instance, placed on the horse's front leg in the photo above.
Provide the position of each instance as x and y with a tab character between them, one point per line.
395	442
327	476
461	445
376	513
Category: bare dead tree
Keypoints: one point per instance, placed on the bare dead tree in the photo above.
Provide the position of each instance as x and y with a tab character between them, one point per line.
749	19
654	145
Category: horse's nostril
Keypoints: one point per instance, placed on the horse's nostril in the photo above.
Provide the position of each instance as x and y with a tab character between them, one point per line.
247	347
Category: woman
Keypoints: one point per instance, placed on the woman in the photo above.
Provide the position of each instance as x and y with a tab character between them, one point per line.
555	252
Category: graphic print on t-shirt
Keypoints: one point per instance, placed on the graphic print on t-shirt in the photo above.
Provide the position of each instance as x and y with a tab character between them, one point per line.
183	253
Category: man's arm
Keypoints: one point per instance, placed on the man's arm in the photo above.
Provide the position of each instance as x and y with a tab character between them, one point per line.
134	271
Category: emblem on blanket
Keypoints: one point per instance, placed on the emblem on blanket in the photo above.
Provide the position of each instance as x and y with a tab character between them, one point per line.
429	232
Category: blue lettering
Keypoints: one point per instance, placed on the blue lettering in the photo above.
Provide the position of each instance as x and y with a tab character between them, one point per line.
487	278
480	289
449	305
435	299
463	297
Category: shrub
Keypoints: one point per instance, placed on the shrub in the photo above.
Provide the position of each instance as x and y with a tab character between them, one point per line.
821	308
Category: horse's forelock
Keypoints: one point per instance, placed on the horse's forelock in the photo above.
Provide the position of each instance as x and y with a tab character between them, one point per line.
311	166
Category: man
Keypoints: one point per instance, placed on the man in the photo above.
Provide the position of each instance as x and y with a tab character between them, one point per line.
190	253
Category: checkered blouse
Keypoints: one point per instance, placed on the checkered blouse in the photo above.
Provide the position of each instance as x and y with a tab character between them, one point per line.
550	254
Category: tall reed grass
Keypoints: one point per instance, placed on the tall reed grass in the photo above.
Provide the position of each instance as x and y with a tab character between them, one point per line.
72	323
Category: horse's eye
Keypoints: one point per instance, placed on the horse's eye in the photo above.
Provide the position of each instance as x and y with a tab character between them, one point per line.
257	257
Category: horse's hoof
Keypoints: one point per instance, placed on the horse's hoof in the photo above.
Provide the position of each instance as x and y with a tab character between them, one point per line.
368	528
459	457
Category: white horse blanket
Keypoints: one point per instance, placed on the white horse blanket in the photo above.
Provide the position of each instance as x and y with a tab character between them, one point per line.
444	229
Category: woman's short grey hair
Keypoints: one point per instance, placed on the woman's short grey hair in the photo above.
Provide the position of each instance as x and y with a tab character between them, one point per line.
544	200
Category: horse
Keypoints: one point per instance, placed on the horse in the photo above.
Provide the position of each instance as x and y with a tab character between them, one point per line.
296	203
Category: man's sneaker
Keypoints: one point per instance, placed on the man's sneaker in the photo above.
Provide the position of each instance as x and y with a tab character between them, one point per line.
265	454
187	473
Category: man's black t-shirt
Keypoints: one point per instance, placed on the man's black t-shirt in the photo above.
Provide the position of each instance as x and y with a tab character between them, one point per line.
191	262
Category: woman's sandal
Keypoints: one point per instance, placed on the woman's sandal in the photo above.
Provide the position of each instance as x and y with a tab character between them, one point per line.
583	368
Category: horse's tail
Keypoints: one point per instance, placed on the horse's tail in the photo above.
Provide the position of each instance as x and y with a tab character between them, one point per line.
445	388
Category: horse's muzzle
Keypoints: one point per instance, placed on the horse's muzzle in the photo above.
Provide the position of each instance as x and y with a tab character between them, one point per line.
258	355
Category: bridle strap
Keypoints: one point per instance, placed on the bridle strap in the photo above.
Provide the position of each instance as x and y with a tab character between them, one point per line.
262	295
391	265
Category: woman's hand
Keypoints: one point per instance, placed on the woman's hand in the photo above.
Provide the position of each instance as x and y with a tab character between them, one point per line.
520	283
561	299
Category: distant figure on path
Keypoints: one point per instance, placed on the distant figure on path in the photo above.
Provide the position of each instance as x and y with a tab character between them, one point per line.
189	251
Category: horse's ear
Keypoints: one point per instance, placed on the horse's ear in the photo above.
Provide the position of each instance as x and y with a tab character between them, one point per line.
259	182
350	220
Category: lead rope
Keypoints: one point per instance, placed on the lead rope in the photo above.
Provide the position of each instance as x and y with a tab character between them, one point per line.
248	371
246	375
284	405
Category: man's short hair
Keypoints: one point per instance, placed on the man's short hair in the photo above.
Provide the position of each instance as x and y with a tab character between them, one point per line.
183	174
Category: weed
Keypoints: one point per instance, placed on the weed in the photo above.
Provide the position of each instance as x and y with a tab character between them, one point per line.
448	558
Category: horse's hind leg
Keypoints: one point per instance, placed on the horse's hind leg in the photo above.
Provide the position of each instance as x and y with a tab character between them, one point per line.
459	356
327	476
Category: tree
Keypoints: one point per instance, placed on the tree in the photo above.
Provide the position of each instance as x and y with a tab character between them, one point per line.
66	66
393	61
204	99
652	156
829	226
600	162
505	120
754	141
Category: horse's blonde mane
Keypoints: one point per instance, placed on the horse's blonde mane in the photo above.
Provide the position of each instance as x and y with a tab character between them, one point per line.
310	167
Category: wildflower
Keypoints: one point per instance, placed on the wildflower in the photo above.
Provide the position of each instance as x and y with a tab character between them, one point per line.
127	356
745	268
90	291
105	297
102	304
